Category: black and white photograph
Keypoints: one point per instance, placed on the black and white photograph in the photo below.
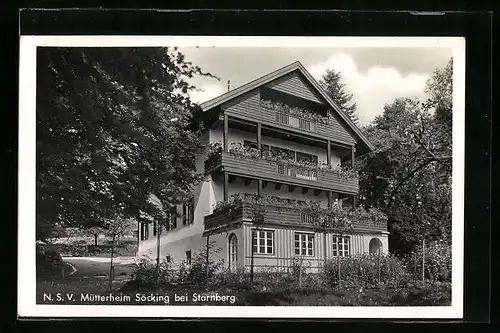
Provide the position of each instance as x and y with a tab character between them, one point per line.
249	176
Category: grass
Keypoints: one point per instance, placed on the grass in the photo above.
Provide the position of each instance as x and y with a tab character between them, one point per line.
430	296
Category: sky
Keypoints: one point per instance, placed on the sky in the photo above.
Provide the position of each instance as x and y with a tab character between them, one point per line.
374	75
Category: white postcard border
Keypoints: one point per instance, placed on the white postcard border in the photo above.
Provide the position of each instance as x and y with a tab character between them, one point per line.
27	306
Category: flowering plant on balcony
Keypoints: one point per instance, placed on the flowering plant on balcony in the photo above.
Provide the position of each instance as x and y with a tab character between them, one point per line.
214	150
343	171
241	151
294	111
320	217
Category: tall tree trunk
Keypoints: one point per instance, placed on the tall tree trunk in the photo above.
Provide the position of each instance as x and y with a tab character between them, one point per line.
208	259
158	254
111	268
95	240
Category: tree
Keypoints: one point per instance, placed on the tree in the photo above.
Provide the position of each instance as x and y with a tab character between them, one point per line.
409	174
331	83
95	232
115	228
114	126
440	88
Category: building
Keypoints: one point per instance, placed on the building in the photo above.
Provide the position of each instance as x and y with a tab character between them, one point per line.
283	113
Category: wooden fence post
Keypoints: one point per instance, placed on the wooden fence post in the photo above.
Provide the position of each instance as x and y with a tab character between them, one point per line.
208	258
338	266
423	263
379	263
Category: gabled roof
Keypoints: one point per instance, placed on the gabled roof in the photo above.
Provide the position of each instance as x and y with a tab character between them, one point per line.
279	73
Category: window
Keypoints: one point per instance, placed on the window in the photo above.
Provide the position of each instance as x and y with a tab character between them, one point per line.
188	257
304	157
283	152
233	252
173	218
263	241
144	231
304	244
249	144
188	213
340	246
168	258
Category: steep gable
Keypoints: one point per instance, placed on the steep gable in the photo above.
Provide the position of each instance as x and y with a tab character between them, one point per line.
296	84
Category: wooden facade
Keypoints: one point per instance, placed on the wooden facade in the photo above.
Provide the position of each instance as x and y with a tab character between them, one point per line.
248	107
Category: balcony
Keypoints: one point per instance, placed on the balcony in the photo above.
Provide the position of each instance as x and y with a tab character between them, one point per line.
280	212
254	166
309	123
296	121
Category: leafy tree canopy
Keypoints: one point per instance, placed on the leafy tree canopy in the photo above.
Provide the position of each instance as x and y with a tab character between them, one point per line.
113	129
331	83
408	175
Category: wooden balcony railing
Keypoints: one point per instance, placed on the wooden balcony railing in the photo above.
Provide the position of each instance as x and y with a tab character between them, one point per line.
297	172
295	121
274	215
287	174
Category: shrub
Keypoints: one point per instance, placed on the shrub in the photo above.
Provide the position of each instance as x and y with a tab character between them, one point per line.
202	272
145	273
437	261
47	256
361	271
238	279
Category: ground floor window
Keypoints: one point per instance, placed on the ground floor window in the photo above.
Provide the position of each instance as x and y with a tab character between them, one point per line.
340	246
144	231
173	218
233	252
304	244
263	241
188	213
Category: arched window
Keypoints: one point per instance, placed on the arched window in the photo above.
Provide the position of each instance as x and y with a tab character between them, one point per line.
233	252
375	245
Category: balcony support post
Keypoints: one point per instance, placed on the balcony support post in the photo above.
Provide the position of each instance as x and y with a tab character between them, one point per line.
225	133
353	150
329	193
328	152
259	187
226	185
354	201
259	137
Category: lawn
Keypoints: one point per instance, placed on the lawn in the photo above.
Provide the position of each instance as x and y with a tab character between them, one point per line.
188	295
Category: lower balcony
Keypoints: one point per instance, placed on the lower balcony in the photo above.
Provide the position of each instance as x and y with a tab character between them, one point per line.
274	171
281	212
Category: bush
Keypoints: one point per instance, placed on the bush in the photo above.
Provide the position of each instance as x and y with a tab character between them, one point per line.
238	279
145	273
47	256
437	262
361	271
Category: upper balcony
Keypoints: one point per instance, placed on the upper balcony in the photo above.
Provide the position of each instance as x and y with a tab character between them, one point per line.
290	114
250	163
289	213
